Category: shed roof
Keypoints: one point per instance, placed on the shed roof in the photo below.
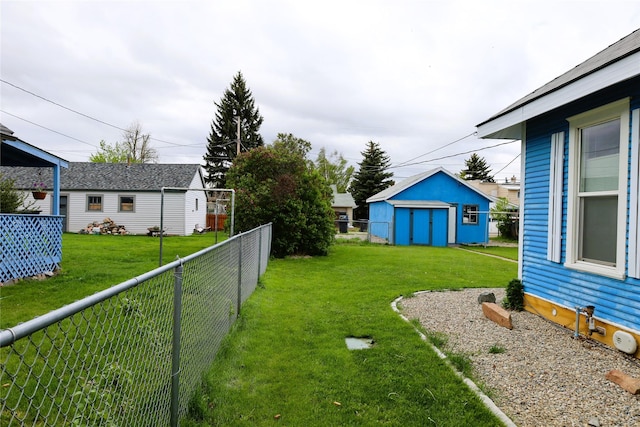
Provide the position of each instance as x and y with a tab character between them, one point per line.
87	176
342	200
622	60
412	180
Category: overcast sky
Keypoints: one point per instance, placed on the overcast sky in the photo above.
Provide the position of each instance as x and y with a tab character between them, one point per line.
412	76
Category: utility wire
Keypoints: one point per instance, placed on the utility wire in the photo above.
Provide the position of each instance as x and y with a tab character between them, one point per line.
507	165
436	149
80	113
49	129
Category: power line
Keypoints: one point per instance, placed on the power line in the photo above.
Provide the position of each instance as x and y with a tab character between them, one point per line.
436	149
49	129
80	113
507	165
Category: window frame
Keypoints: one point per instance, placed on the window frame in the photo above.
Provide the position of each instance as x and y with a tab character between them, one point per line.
133	203
618	110
476	214
88	205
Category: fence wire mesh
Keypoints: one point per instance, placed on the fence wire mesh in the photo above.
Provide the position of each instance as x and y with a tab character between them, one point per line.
132	355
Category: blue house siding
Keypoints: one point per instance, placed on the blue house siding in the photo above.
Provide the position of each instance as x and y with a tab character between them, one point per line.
616	301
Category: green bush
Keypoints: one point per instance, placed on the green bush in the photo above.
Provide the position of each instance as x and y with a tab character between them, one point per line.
514	299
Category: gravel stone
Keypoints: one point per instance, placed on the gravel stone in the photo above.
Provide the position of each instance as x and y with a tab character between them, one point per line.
544	376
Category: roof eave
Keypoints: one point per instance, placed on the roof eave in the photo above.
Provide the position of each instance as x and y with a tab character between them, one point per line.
509	124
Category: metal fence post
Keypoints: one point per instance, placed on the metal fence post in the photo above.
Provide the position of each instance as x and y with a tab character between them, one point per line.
239	274
260	251
175	361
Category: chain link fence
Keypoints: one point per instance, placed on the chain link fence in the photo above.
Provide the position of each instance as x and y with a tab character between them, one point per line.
134	354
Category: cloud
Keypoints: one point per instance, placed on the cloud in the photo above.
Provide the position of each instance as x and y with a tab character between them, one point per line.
411	75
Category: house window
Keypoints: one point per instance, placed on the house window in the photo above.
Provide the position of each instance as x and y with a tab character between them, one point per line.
94	203
126	204
470	214
598	148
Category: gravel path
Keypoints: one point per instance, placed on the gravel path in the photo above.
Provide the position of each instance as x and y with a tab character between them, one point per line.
544	377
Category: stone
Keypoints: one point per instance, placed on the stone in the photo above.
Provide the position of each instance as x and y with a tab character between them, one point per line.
486	297
594	422
632	385
497	314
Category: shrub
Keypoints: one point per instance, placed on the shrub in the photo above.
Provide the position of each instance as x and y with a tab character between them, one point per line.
514	299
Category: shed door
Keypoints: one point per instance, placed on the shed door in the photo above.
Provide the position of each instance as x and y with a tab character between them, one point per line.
428	227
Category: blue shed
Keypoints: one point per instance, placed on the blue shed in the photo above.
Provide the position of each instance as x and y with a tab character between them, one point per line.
434	208
579	228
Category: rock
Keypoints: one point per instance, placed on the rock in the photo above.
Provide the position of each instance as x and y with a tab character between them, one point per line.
632	385
486	297
594	422
497	314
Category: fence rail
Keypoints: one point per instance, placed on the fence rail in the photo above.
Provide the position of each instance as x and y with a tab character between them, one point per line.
135	353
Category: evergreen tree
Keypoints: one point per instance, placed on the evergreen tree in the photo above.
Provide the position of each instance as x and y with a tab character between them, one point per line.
278	184
334	169
370	179
476	168
236	104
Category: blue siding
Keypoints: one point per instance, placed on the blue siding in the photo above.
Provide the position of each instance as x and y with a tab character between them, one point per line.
442	187
617	301
380	219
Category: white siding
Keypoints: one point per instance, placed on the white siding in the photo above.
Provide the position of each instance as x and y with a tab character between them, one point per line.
191	215
146	211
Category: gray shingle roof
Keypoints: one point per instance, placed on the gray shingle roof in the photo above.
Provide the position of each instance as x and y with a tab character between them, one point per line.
107	176
626	46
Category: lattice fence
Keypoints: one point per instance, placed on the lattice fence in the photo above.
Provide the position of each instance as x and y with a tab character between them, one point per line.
29	245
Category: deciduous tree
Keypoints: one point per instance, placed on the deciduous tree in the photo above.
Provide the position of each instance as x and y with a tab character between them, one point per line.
334	169
278	184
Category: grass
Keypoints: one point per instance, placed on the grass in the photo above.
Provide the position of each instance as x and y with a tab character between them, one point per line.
286	360
91	264
509	252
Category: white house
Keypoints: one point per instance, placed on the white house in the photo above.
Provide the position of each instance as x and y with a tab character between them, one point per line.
128	194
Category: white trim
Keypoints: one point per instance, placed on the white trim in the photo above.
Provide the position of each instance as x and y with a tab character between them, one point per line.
506	126
554	229
634	198
618	109
523	186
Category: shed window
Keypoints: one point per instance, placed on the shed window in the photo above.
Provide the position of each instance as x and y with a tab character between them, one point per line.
94	203
126	203
470	214
597	159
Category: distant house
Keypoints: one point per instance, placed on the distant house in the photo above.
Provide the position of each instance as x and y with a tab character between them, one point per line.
509	190
580	227
342	203
434	208
127	194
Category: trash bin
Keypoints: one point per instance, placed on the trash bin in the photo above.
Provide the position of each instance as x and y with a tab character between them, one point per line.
343	223
363	224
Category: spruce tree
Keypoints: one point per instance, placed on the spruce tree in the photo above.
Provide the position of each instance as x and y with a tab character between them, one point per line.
371	178
476	168
236	104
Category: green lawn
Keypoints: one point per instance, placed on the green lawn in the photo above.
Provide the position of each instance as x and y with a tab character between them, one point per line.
510	252
91	264
286	360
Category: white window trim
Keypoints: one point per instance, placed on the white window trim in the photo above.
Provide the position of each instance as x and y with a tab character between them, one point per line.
615	110
556	176
634	198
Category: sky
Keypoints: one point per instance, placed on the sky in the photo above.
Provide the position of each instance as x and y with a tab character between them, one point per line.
414	76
